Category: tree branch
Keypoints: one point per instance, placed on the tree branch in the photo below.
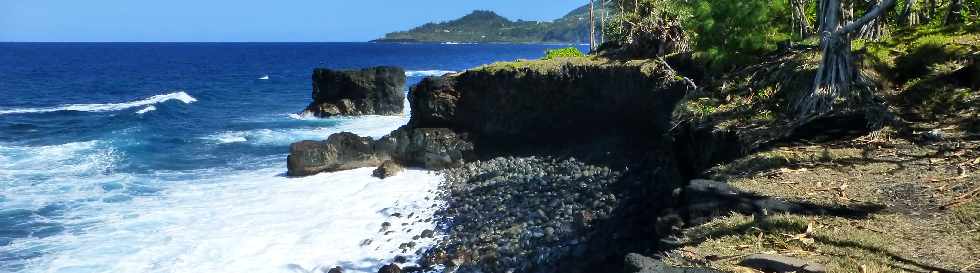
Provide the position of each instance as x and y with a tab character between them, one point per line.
867	18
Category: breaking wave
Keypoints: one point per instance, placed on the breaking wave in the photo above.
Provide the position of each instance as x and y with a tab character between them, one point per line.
106	107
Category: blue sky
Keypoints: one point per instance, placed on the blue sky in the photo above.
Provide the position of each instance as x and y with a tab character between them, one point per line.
243	20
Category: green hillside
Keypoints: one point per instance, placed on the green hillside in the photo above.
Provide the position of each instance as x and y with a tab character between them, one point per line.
487	27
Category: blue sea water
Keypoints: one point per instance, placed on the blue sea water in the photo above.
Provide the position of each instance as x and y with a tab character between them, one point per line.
125	157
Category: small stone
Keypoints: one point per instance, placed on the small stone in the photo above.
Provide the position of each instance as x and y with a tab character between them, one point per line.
428	233
400	259
366	242
336	269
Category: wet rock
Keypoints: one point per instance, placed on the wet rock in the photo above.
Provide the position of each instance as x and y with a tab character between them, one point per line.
780	264
388	169
370	91
400	259
428	233
390	268
342	151
430	148
336	270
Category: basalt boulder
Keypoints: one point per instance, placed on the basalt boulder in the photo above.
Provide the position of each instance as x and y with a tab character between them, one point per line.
342	151
430	148
370	91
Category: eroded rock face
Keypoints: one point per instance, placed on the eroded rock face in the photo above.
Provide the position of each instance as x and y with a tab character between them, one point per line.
371	91
430	148
342	151
556	101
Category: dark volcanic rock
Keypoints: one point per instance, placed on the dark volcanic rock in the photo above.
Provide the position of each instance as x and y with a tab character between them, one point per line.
552	101
371	91
343	151
521	213
336	270
780	264
391	268
430	148
387	169
636	263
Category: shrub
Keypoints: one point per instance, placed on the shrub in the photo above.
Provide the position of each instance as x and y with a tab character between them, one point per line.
567	52
732	31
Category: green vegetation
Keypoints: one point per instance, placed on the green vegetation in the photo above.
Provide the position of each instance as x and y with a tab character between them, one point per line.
733	31
488	27
567	52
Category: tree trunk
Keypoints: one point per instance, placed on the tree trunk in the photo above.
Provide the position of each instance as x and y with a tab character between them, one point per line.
910	15
602	27
591	25
877	28
800	23
835	74
955	14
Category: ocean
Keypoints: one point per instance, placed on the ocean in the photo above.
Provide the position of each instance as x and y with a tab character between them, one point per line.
170	157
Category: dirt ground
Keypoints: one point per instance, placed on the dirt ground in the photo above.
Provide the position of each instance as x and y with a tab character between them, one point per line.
910	205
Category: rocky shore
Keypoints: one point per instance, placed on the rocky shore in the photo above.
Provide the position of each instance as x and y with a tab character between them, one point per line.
515	214
537	158
576	165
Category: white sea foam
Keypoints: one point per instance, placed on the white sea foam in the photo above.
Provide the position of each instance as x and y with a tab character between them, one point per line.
106	107
213	220
148	109
427	73
264	77
303	116
371	126
32	176
254	221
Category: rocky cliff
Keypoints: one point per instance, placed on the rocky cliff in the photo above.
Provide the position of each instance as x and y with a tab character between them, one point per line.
583	107
548	99
371	91
587	114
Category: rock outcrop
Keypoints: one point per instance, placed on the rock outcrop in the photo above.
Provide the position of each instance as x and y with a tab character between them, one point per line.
576	104
371	91
430	148
550	99
343	151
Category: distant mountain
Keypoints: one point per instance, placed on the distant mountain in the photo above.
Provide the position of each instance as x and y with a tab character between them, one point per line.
487	27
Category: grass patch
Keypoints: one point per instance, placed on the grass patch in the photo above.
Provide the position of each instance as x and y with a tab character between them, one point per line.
567	52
